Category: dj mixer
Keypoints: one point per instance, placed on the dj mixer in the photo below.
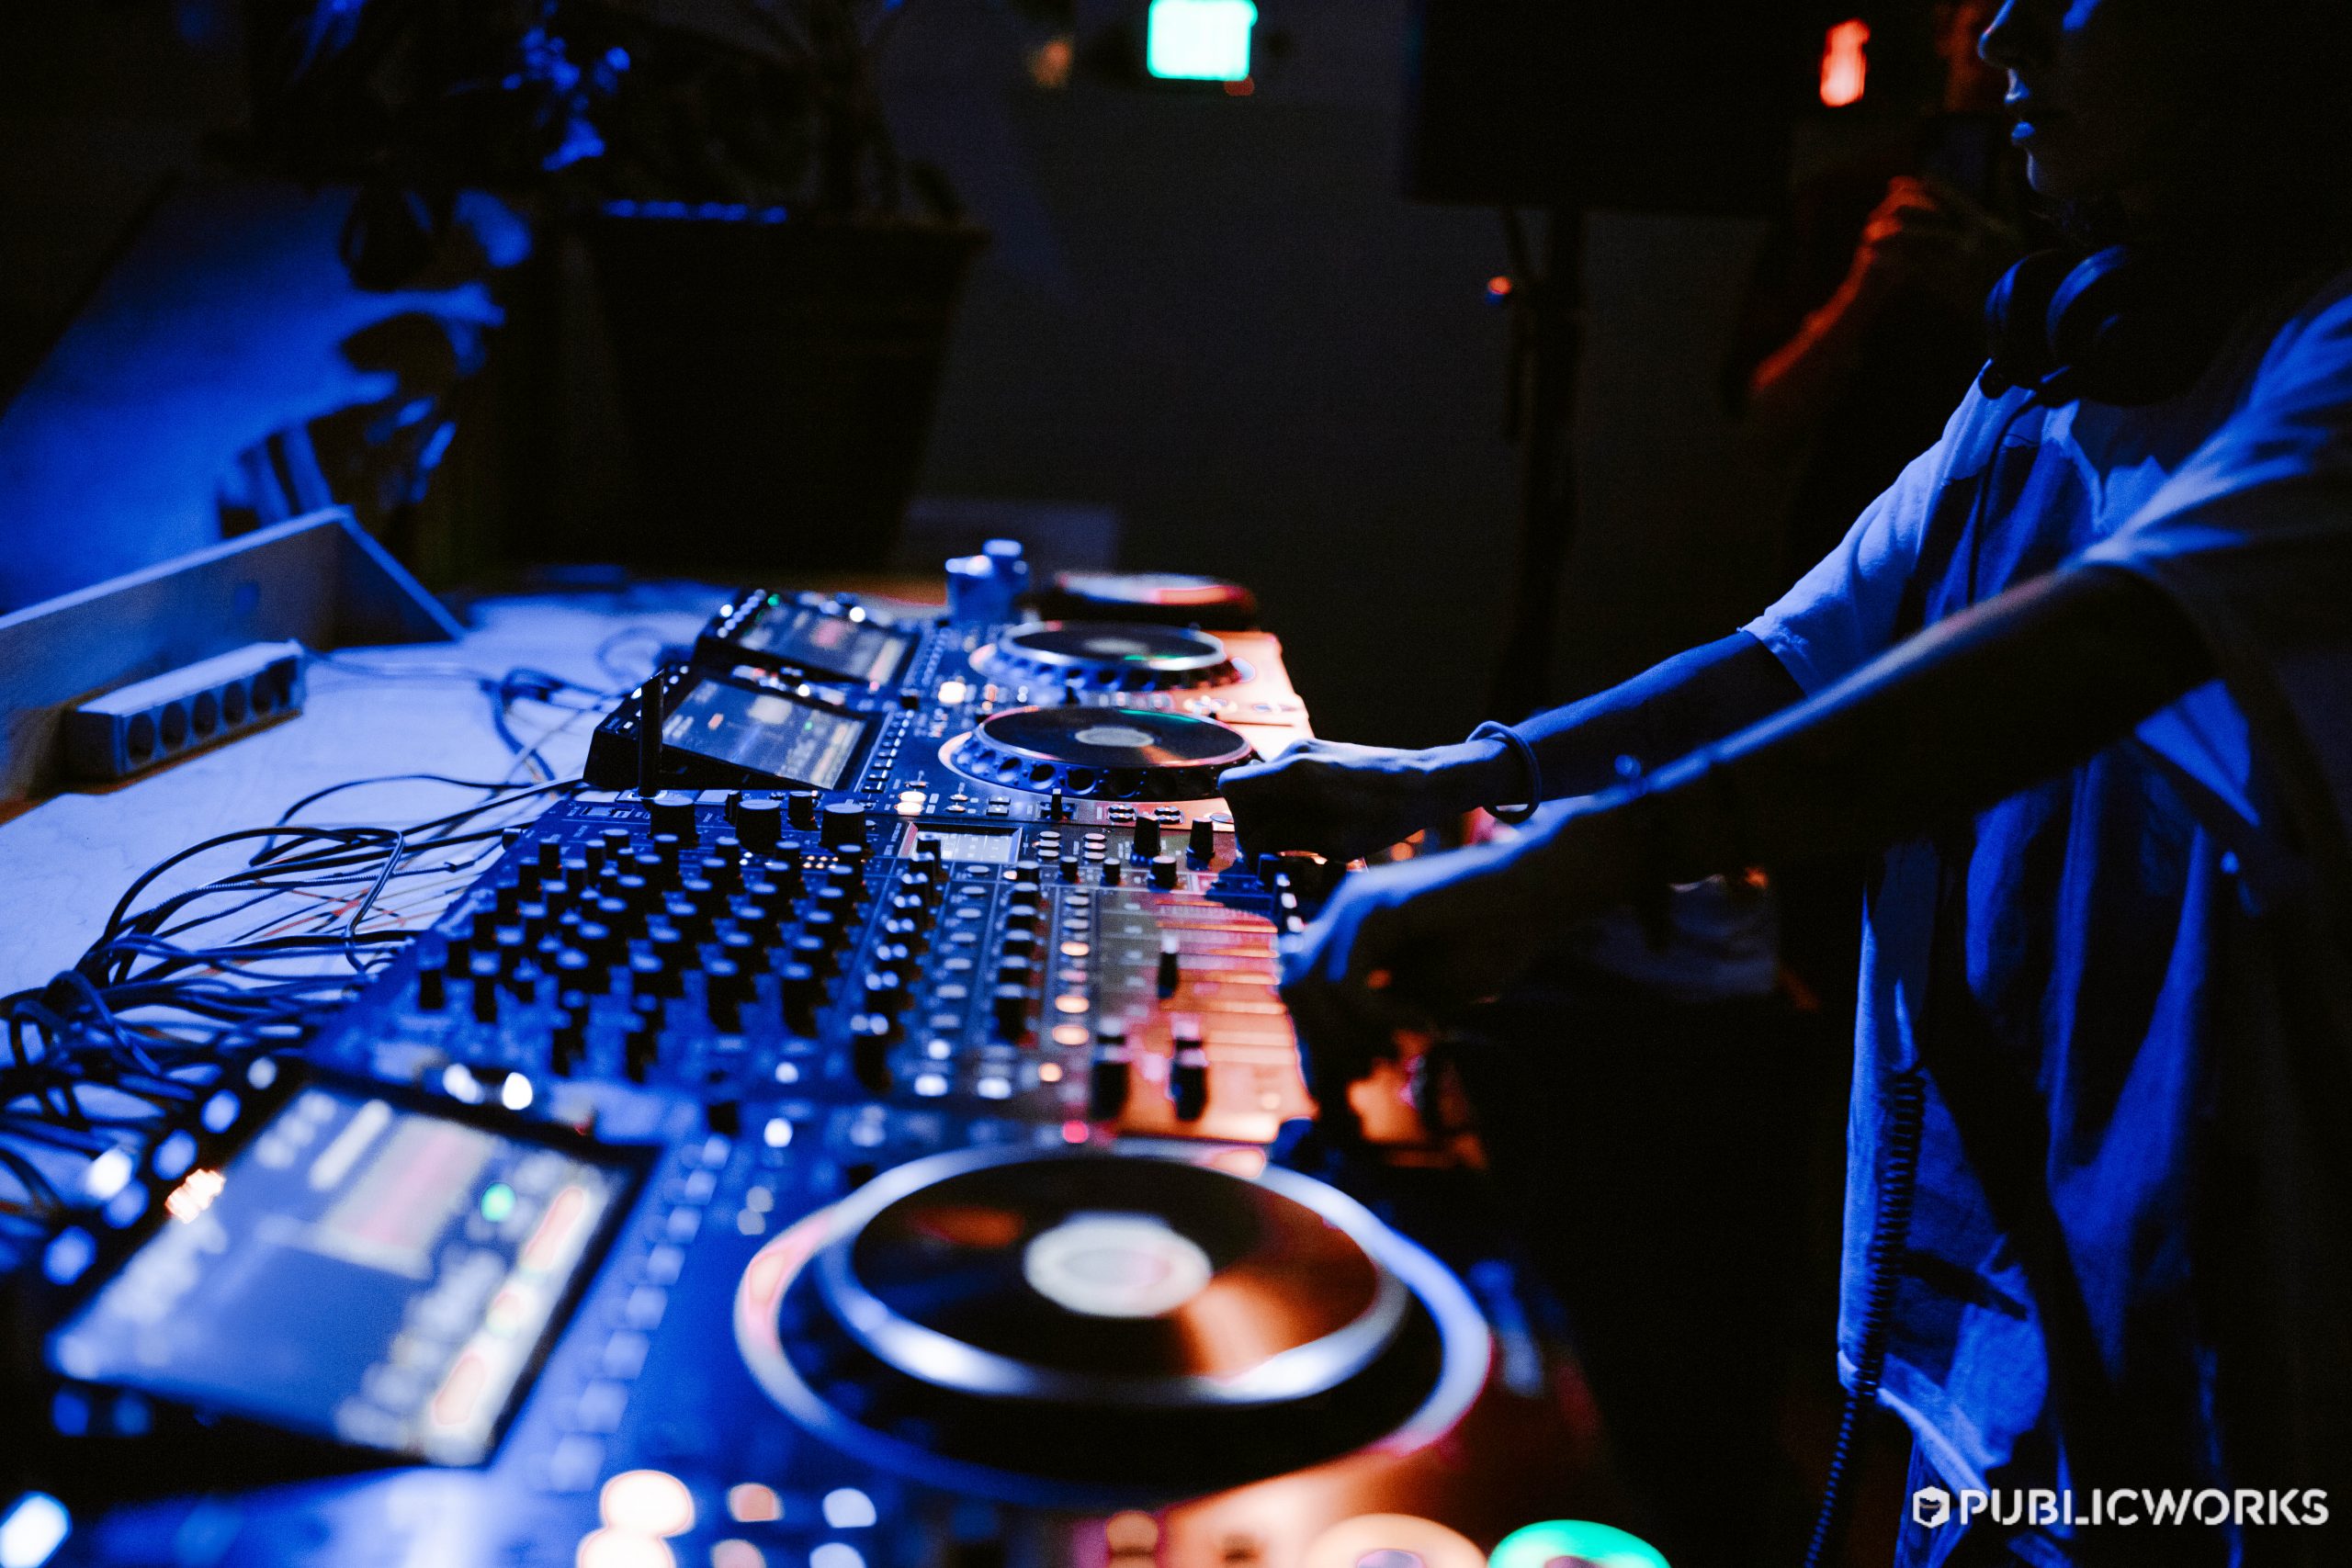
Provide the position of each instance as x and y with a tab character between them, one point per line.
840	1132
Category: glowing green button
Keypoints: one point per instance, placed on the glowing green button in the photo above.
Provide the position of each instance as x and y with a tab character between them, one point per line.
497	1202
1599	1545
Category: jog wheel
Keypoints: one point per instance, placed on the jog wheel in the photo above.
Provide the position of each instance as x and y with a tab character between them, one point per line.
1100	656
1100	753
981	1320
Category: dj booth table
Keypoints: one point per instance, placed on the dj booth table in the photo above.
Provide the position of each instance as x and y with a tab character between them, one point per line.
407	709
635	1435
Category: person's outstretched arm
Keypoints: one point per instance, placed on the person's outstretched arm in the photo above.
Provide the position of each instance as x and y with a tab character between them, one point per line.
1347	801
2013	691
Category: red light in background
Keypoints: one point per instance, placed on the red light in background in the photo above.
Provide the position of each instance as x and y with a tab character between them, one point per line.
1498	288
1844	63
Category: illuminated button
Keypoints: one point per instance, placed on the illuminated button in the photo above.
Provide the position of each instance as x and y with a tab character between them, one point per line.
847	1509
778	1134
1049	1072
174	1155
1602	1545
617	1548
1071	1034
32	1529
1070	1004
836	1555
753	1503
930	1086
1131	1534
68	1257
736	1553
646	1502
108	1175
1391	1538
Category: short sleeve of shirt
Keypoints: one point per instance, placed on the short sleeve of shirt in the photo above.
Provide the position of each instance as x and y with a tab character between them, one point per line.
1842	614
2253	539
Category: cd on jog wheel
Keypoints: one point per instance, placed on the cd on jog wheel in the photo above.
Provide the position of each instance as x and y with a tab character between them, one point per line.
979	1320
1100	752
1113	1281
1111	657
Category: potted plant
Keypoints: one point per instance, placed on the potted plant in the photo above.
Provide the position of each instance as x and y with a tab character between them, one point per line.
743	293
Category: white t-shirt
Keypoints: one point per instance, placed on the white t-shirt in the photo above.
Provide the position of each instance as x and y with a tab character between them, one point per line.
2079	931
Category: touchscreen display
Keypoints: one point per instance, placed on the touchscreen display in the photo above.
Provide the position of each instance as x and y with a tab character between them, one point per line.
830	645
358	1271
768	734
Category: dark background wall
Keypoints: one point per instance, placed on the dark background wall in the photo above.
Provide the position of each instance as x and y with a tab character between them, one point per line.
1214	314
1217	315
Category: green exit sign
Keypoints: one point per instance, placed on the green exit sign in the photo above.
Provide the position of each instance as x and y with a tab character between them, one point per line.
1200	41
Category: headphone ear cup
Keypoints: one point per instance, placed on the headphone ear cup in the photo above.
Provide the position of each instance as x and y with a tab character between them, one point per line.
2016	323
2133	329
2100	326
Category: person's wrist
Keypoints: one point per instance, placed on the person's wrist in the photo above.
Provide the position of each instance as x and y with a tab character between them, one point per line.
1471	775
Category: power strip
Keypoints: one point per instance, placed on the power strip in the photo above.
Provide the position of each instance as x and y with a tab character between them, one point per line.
149	722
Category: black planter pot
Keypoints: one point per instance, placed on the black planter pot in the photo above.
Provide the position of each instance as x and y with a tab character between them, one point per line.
768	387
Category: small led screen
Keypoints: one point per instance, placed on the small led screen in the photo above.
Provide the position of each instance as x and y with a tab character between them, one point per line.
767	733
826	644
359	1271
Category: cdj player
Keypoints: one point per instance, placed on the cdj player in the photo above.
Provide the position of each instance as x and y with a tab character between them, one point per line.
835	1135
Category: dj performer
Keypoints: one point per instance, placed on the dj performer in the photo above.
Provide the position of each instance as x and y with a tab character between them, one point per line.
2082	679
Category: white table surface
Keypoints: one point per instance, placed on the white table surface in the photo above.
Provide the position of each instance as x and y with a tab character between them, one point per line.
370	711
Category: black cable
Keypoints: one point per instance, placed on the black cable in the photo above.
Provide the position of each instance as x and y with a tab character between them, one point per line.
1890	1237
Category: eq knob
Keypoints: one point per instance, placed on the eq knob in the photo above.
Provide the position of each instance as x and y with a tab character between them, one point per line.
674	812
569	1044
725	988
1011	1003
1163	871
1204	841
800	807
641	1048
814	950
870	1037
1146	837
1107	1074
432	976
577	975
484	967
1188	1073
843	823
804	996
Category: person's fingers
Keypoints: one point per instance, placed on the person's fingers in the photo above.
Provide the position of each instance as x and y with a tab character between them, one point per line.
1958	202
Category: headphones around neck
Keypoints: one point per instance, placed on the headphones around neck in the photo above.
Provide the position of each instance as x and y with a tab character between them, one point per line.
2122	326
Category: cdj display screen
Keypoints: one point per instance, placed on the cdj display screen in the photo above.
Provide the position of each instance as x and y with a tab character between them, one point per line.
972	846
767	733
822	644
361	1272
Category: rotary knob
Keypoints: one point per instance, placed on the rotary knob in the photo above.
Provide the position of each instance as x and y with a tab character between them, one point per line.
674	812
843	822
